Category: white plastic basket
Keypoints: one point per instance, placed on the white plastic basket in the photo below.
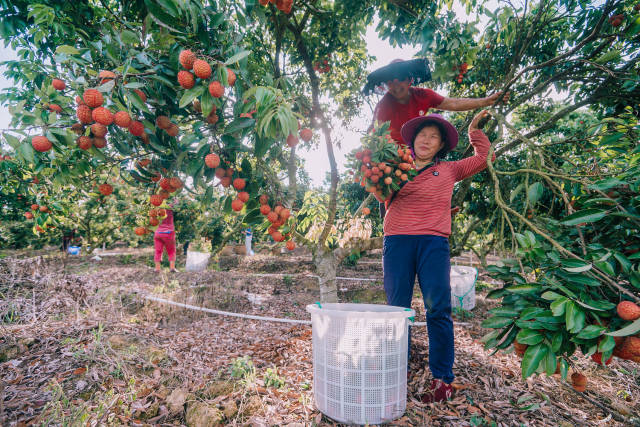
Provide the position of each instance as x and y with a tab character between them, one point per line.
463	287
360	361
197	261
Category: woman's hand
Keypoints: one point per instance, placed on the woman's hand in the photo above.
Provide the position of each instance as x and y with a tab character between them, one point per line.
476	120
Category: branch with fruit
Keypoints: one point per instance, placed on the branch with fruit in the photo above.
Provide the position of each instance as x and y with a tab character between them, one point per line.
380	165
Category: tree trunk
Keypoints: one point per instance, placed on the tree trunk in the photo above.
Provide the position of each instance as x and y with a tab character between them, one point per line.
326	267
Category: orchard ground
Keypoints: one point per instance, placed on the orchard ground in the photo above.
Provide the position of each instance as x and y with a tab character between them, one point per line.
79	345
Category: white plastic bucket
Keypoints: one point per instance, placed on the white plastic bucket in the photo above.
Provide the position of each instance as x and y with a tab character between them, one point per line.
463	287
360	361
73	250
197	261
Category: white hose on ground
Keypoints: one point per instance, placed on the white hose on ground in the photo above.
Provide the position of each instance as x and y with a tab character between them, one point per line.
251	316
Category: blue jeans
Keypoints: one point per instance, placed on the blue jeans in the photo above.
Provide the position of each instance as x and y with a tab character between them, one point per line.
404	256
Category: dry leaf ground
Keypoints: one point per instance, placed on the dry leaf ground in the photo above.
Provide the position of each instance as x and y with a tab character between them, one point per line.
80	346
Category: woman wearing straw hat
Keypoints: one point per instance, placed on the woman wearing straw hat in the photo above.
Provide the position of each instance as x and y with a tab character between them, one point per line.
416	230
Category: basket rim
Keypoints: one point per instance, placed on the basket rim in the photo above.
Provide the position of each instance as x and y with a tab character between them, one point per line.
367	310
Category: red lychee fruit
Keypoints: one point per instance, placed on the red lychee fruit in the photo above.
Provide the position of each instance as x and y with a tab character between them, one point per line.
98	130
186	59
122	119
628	310
156	200
264	199
306	134
136	128
102	115
173	130
106	76
93	98
34	207
244	196
41	143
239	184
163	122
215	89
212	118
99	142
237	205
84	114
212	160
201	69
105	189
291	245
176	183
58	84
265	209
597	357
186	79
84	142
579	382
292	140
55	108
141	95
165	184
28	215
231	77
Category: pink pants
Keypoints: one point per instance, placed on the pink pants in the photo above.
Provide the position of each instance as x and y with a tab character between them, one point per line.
164	240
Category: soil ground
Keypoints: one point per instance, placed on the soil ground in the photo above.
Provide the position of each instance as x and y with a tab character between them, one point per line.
79	345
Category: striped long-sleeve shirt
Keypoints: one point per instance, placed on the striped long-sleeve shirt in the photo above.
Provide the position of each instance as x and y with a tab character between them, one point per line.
423	206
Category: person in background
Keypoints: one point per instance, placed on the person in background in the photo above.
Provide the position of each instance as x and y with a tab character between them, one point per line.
165	238
403	102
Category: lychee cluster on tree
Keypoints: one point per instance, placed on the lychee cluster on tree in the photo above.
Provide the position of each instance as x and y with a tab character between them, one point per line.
380	165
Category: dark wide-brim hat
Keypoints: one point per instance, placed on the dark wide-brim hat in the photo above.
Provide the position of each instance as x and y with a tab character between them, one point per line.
408	130
415	69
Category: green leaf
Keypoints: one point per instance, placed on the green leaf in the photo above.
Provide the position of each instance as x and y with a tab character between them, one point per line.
504	312
497	322
550	295
590	332
529	337
239	124
611	55
531	359
550	362
574	317
606	344
558	306
26	151
129	37
237	57
586	216
627	330
191	94
535	192
66	49
606	184
575	266
206	102
523	289
556	342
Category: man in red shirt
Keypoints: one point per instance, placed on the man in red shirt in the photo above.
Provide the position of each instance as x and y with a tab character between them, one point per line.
402	102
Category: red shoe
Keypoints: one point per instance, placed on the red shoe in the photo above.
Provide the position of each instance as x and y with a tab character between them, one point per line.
439	392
